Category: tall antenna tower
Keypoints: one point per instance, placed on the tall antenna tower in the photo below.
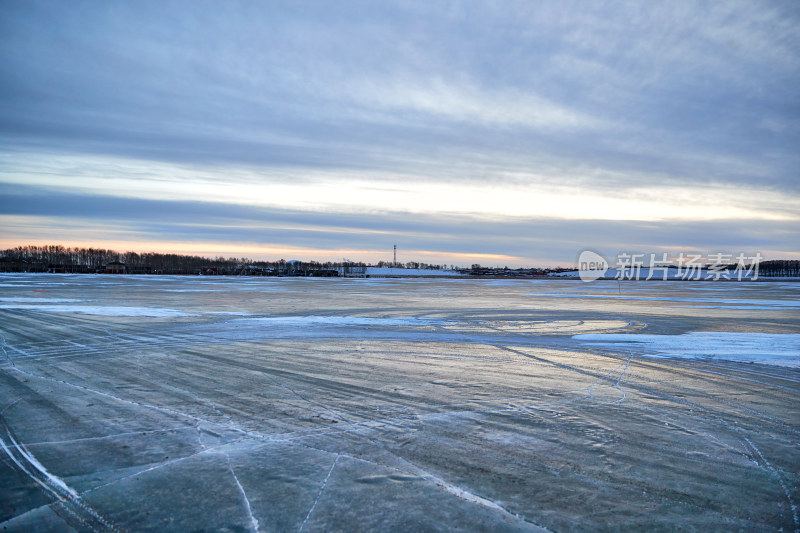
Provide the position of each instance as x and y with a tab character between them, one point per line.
395	256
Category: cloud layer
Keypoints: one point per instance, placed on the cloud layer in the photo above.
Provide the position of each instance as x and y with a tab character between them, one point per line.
208	228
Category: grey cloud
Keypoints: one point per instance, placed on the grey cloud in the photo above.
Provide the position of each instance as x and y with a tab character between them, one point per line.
690	93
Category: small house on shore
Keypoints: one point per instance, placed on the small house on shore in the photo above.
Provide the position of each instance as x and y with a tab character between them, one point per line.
115	267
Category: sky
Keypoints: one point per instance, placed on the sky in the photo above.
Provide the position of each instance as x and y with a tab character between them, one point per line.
500	133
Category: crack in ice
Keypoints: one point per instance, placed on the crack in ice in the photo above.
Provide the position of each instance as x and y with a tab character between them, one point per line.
321	489
253	520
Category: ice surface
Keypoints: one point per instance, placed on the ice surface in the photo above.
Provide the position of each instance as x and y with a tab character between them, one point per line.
25	299
102	310
226	404
388	271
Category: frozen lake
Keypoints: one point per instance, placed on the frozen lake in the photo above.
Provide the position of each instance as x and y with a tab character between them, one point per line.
244	404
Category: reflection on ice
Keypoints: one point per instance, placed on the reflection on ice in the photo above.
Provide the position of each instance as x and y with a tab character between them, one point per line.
775	349
763	304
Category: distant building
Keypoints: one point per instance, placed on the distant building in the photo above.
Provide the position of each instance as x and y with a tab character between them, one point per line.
294	268
115	267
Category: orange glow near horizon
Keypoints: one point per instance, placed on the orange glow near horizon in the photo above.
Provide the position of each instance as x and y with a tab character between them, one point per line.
275	252
41	231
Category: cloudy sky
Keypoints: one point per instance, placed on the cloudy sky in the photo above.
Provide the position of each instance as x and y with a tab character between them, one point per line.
501	133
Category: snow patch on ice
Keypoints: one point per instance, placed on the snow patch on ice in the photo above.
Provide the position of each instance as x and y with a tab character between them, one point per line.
792	304
740	307
684	274
191	290
781	349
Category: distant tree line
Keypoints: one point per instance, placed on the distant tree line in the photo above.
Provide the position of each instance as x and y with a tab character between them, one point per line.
780	268
57	258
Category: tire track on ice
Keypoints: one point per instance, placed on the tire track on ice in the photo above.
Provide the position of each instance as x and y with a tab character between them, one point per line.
771	469
81	514
415	470
144	405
